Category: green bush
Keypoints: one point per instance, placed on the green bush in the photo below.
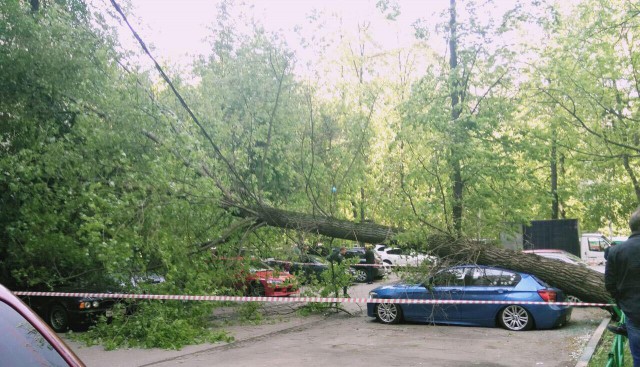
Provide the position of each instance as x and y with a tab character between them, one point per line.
156	324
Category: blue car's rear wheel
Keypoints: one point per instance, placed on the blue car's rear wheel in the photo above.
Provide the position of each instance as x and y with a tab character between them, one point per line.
388	313
516	318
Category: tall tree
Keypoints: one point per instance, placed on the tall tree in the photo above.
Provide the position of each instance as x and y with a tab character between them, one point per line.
466	162
456	95
591	80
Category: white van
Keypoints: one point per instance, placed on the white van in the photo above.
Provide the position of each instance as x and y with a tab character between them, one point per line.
592	246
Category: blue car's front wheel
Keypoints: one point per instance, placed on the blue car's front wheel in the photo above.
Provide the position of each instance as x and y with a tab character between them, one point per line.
515	318
388	313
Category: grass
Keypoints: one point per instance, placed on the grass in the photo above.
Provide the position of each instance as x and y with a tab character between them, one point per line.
601	356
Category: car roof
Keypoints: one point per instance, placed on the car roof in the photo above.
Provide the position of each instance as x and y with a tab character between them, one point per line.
356	250
557	254
485	267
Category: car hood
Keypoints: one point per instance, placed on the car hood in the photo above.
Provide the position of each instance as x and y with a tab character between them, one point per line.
272	275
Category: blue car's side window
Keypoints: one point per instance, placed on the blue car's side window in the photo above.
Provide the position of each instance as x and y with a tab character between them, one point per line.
453	277
509	279
480	277
486	277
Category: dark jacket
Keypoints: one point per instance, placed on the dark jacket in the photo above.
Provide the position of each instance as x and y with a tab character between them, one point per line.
336	256
369	256
622	275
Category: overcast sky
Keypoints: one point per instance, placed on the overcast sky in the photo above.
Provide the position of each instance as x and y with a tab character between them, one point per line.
178	27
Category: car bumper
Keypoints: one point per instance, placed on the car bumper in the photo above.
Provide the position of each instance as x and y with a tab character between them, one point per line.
280	291
85	318
551	317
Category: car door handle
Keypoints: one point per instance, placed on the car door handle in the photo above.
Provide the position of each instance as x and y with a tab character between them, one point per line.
456	290
501	290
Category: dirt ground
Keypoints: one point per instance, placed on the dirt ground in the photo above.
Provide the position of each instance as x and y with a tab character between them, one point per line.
351	338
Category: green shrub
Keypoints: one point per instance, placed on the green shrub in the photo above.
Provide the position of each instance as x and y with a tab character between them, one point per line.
156	324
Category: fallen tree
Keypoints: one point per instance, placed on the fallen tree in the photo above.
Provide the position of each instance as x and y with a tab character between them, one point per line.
584	283
579	281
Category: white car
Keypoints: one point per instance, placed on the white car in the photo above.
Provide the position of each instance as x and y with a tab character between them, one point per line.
618	240
558	255
567	257
395	256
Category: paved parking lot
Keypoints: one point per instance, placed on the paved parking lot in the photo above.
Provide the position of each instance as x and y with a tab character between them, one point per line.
356	340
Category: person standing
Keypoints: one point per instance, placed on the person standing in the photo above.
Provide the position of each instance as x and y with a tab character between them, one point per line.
337	257
622	281
370	260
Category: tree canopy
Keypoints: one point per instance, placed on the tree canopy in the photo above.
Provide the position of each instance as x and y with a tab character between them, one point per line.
104	173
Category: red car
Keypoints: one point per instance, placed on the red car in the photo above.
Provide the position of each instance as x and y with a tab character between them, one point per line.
26	339
258	279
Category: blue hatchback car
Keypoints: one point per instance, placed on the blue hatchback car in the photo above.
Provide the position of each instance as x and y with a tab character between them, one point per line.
474	283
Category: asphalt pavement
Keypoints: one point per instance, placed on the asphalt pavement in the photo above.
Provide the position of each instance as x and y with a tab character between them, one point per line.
351	338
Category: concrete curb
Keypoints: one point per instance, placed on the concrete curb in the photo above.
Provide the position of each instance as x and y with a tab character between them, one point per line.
593	343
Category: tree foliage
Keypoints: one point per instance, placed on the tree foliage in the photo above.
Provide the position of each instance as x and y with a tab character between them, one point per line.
104	175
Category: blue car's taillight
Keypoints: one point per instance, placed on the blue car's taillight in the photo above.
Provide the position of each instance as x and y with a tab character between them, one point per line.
547	295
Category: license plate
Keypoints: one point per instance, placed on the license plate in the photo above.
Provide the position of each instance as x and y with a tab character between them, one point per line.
109	313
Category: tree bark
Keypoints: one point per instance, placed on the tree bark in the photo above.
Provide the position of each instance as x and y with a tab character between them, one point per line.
35	6
456	109
555	201
582	282
632	175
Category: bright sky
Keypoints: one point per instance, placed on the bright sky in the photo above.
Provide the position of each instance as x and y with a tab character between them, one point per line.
178	27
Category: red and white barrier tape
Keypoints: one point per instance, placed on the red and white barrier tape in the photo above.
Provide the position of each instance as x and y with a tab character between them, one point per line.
302	299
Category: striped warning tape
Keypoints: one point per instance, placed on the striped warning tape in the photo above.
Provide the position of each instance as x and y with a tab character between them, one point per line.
302	299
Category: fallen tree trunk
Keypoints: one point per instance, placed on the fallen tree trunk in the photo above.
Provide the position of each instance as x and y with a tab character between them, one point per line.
579	281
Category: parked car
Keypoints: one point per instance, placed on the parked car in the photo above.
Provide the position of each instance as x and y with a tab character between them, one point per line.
474	283
567	257
558	255
360	274
26	338
305	268
75	313
255	278
618	240
144	280
78	313
396	256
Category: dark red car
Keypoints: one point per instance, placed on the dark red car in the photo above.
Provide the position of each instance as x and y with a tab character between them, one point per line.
263	280
258	279
26	339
